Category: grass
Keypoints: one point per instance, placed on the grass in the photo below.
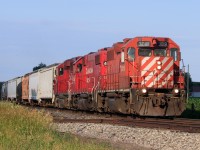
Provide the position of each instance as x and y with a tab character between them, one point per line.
192	109
22	129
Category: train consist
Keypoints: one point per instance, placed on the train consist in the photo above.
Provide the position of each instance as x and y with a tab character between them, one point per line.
140	75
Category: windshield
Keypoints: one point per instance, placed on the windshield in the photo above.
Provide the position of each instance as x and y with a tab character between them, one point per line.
145	52
160	52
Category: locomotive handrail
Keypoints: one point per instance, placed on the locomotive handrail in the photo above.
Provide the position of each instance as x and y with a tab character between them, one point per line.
97	83
69	86
93	85
183	66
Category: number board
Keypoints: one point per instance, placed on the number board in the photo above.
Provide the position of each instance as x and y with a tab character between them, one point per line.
143	44
162	44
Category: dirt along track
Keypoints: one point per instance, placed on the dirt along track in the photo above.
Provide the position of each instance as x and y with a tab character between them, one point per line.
72	116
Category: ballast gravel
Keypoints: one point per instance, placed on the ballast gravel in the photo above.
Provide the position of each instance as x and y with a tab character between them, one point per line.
157	139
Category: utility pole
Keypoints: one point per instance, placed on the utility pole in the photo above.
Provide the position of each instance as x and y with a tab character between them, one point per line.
188	84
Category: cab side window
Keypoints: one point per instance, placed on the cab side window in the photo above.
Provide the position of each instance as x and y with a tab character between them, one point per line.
131	54
79	67
174	53
61	71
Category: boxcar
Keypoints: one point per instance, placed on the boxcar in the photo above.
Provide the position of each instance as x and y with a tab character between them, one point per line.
14	89
25	88
4	91
1	84
45	85
33	86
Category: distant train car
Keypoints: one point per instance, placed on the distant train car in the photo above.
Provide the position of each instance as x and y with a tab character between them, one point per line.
14	89
63	83
4	91
1	84
78	78
89	74
33	87
25	88
84	82
45	86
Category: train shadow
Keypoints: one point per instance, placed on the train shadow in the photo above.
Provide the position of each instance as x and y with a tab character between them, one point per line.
192	114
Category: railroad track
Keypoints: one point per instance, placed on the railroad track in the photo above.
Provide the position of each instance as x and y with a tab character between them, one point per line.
183	125
178	124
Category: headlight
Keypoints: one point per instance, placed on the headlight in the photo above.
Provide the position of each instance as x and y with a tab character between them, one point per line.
144	91
176	91
158	67
159	62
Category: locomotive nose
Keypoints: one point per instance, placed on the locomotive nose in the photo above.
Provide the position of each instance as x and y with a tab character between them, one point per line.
157	72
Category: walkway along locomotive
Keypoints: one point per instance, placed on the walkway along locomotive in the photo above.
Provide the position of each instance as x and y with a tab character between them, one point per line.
140	76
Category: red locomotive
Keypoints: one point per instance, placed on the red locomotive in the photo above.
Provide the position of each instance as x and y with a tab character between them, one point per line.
140	76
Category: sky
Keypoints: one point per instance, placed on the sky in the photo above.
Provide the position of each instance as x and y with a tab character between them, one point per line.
49	31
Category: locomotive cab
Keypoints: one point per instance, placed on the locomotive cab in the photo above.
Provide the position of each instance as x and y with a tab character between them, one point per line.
156	82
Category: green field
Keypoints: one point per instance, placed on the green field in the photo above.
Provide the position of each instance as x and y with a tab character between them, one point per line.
192	109
22	129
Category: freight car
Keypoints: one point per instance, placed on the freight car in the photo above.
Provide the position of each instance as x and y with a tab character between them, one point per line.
14	89
1	84
25	88
46	77
140	76
4	91
33	87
